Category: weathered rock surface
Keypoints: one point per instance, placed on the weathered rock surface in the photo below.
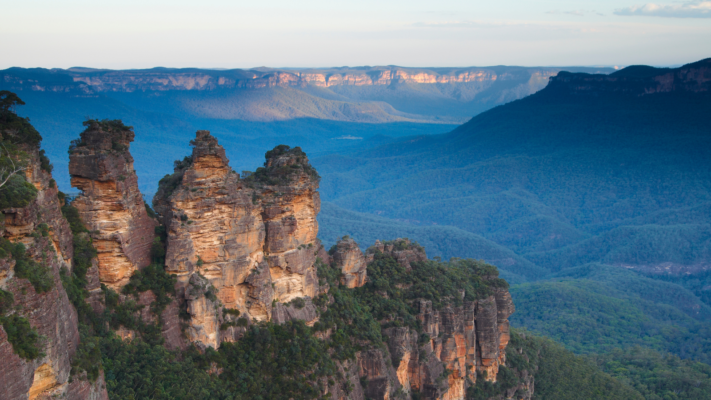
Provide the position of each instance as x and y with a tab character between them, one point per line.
403	250
49	313
463	341
253	240
350	260
111	206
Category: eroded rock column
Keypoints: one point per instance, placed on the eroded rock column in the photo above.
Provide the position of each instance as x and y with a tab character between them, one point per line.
110	204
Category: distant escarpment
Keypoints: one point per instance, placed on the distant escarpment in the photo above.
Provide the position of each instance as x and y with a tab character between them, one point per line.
39	333
110	204
191	79
637	80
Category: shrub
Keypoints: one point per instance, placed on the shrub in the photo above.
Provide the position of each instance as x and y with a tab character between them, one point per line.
6	301
45	164
17	192
39	275
24	339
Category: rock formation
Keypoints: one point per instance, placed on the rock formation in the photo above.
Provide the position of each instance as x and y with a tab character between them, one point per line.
349	259
464	340
111	205
47	237
253	240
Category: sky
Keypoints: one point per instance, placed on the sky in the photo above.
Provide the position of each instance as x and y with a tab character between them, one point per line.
328	33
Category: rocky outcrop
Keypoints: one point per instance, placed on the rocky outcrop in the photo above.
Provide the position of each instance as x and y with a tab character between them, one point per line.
110	205
349	259
253	239
456	344
47	237
402	250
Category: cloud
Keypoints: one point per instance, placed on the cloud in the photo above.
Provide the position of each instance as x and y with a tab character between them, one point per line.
695	9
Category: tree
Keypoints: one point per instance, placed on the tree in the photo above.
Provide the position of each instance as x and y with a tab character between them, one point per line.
9	100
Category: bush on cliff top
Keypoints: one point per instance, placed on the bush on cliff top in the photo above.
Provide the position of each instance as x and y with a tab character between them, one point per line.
14	128
16	134
281	175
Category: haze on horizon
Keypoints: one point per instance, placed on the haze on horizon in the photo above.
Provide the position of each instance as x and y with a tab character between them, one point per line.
320	33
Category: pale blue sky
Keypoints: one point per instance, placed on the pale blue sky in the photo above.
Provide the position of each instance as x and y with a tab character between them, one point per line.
319	33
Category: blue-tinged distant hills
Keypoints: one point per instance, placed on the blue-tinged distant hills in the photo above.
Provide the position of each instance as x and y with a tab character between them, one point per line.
321	110
598	186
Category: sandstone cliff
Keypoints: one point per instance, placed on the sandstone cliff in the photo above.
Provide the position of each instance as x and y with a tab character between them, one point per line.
349	259
40	297
456	342
240	244
110	204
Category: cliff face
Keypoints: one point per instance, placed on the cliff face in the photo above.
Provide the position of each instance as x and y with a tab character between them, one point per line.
162	79
49	312
251	243
461	341
126	81
111	205
639	80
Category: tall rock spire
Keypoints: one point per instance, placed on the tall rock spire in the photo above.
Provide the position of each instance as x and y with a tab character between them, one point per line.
253	240
110	204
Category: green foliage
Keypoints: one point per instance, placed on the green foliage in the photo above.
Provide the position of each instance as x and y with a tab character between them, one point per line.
6	301
557	373
270	362
39	275
391	290
596	308
155	279
657	376
17	192
72	216
88	355
388	299
349	318
24	339
84	251
230	311
106	125
283	173
45	164
149	210
276	362
298	303
15	129
562	375
158	251
137	370
170	182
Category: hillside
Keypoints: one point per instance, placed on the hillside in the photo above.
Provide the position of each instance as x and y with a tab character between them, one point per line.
576	167
600	181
